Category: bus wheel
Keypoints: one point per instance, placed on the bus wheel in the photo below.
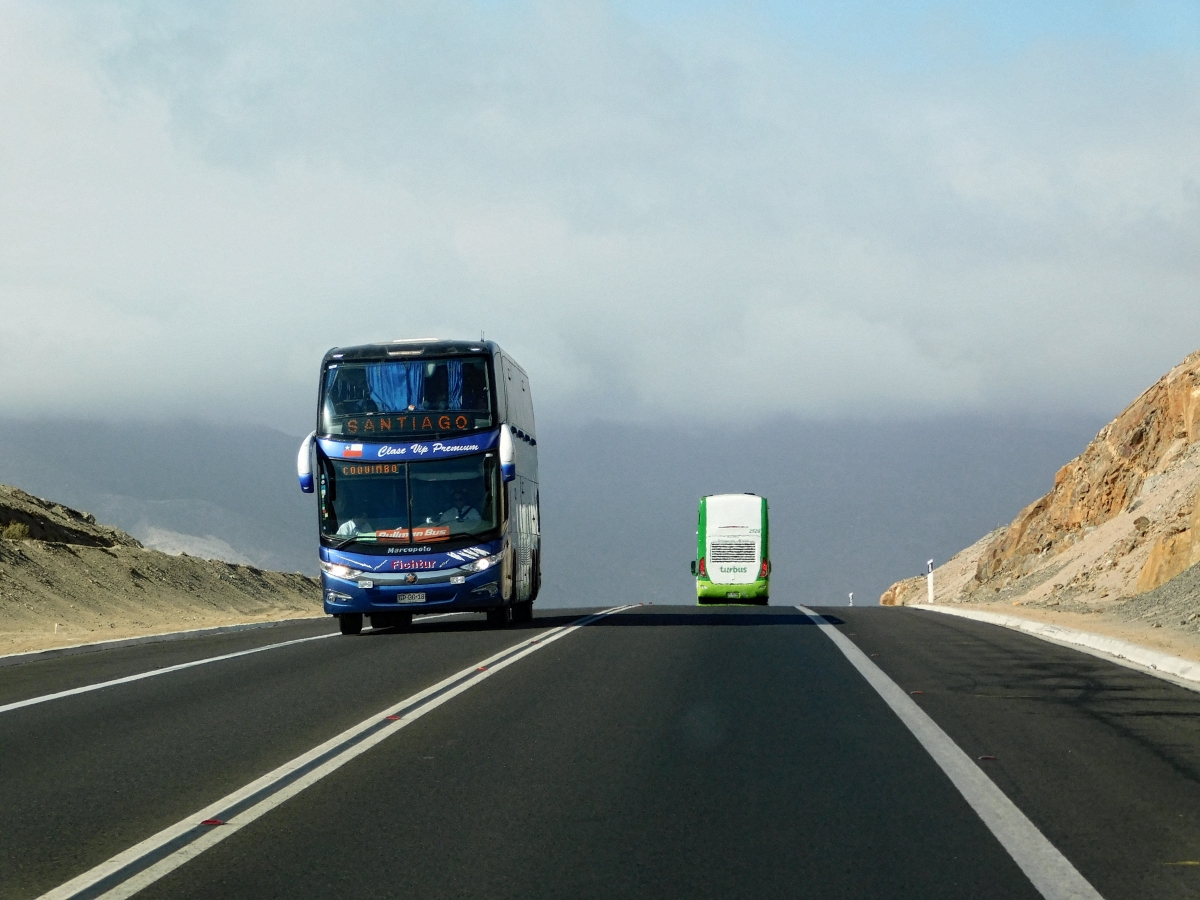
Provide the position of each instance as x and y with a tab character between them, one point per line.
523	612
350	623
499	618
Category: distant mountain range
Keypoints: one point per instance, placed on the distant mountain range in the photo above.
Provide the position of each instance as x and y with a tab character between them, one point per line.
852	504
210	491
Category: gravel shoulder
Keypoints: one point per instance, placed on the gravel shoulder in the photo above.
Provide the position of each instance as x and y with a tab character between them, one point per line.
1166	619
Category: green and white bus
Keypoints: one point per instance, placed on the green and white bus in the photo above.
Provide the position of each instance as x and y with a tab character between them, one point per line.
733	563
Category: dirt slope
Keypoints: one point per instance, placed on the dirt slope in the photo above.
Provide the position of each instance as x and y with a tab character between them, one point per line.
1115	544
65	579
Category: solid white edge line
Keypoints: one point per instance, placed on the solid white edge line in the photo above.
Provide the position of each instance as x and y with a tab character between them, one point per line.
46	698
1050	872
1175	669
141	880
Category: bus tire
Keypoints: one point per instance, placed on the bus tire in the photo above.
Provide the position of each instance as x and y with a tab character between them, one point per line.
350	623
536	579
500	617
523	612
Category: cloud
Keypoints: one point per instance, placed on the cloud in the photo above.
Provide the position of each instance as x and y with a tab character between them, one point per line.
207	547
657	216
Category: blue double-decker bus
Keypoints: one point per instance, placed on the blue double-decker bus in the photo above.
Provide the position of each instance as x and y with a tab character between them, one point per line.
424	463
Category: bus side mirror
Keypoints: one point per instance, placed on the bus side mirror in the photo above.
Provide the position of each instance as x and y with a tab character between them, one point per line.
508	465
304	464
693	567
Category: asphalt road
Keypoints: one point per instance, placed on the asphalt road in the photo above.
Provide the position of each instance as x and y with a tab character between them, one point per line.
659	752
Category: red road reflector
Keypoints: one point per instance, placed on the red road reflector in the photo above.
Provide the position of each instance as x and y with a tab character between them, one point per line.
393	717
874	654
212	822
481	668
916	692
986	757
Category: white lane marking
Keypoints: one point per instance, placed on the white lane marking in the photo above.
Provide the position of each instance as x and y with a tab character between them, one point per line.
120	643
469	677
46	698
1051	873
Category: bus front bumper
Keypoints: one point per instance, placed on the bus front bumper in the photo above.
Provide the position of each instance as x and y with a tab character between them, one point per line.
480	591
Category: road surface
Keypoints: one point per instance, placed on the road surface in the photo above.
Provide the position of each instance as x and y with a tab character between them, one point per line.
654	752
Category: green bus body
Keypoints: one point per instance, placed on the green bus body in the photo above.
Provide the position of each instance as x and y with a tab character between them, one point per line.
733	562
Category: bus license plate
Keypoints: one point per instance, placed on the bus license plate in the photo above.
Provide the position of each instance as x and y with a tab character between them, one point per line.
410	598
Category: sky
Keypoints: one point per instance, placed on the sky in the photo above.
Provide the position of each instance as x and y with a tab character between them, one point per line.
705	214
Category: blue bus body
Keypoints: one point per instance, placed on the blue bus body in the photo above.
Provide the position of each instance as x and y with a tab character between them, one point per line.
431	507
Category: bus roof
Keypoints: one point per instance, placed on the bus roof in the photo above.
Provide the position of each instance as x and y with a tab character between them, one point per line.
412	349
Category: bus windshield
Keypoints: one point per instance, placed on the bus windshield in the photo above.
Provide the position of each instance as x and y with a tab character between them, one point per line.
400	398
406	503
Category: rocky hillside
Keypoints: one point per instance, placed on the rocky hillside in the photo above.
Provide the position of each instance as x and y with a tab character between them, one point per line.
1122	520
23	516
65	579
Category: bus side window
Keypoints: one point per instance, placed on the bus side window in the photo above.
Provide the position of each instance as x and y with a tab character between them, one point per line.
527	405
503	407
511	391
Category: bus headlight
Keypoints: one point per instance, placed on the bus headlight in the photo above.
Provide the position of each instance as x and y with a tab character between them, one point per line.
479	565
337	570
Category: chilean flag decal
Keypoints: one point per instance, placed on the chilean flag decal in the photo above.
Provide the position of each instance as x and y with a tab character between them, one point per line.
352	450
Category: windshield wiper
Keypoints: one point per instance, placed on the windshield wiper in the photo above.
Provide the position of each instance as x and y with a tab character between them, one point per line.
348	541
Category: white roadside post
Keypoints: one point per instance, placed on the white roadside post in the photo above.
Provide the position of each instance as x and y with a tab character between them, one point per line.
852	598
929	579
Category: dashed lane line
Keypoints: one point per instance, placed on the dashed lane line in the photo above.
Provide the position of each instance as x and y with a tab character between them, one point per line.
142	865
1050	872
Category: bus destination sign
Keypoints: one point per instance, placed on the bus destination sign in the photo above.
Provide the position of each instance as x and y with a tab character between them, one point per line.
376	426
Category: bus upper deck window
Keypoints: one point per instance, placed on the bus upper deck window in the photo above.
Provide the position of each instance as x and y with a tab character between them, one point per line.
350	392
437	387
474	390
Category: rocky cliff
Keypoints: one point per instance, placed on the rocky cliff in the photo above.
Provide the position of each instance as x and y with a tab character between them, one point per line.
1155	431
1122	518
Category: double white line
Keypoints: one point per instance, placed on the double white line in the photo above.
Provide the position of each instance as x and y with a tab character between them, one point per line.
140	866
